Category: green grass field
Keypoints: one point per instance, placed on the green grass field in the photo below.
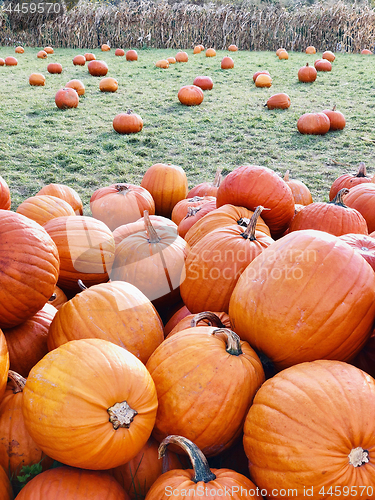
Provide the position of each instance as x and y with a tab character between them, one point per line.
40	144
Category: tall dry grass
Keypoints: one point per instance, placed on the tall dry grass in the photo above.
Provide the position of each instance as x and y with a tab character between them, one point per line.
161	25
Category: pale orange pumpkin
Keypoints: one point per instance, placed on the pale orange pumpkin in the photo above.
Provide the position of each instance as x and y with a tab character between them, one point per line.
210	52
44	207
108	85
65	193
162	63
310	50
232	48
125	230
37	79
181	57
77	85
263	80
227	63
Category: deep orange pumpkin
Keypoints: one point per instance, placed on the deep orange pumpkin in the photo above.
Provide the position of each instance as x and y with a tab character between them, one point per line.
65	193
4	364
313	123
227	63
77	85
336	118
203	82
330	56
108	85
278	101
362	198
301	192
117	312
251	186
44	207
114	401
190	95
66	98
181	209
206	188
121	204
29	267
131	55
105	47
42	54
89	56
11	61
6	492
79	60
323	65
127	123
205	378
97	68
310	412
167	184
307	74
49	50
194	215
5	199
119	52
2	62
37	79
311	296
257	73
349	180
210	52
181	57
280	49
54	68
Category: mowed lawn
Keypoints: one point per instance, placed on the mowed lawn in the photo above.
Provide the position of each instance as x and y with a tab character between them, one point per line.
40	143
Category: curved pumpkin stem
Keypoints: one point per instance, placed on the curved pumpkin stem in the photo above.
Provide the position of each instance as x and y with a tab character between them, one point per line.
334	108
150	230
233	341
212	318
52	298
249	233
81	285
18	382
338	199
217	178
361	170
286	176
202	471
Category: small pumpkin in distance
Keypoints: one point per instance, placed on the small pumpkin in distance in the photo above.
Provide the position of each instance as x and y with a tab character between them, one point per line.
2	61
366	52
190	95
323	65
280	49
105	47
162	63
210	52
19	50
42	54
227	63
263	80
201	46
54	68
108	84
310	50
330	56
119	52
171	60
97	68
257	73
336	118
89	56
283	54
66	98
131	55
49	50
278	101
307	74
127	123
37	79
232	48
197	49
204	82
349	180
76	85
79	60
11	61
182	57
313	123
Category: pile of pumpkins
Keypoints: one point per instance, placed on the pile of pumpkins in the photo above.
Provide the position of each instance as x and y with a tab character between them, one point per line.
233	321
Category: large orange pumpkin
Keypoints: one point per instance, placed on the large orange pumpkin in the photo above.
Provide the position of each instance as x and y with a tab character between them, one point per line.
27	342
127	123
311	296
44	207
190	95
232	48
49	50
201	481
66	98
4	364
349	180
263	80
301	192
336	118
206	188
283	54
303	434
105	47
86	248
210	52
65	483
65	193
19	50
29	267
125	230
117	312
5	200
17	449
278	101
42	54
6	492
362	198
167	184
121	204
205	379
250	186
98	403
215	263
260	72
313	123
97	68
162	63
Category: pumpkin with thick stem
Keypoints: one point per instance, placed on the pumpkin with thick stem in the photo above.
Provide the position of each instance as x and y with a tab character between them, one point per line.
333	217
194	215
205	318
6	492
205	378
251	185
5	199
17	449
4	363
311	296
227	215
113	397
349	180
181	209
310	428
65	193
214	265
152	260
115	311
201	481
362	198
206	188
125	230
29	268
301	192
363	244
44	207
66	483
27	342
121	204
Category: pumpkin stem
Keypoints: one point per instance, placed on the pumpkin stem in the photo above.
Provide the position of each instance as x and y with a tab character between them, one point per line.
307	64
129	112
192	211
338	199
18	382
81	285
361	170
334	108
196	198
121	415
211	318
249	233
121	188
233	341
150	230
202	471
358	456
52	298
217	178
286	176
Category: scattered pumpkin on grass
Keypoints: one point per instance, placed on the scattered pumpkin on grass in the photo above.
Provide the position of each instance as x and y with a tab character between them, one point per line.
127	123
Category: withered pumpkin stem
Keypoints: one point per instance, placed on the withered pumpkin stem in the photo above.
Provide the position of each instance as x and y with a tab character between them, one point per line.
122	188
192	211
233	341
249	233
334	108
286	176
202	471
81	285
217	178
361	170
150	230
210	317
195	198
358	456
18	382
338	199
121	415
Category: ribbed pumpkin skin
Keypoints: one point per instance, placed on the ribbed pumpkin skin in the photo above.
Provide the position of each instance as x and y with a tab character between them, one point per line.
313	123
117	312
67	483
180	210
138	475
120	204
362	198
363	244
4	195
251	186
349	180
16	446
29	268
27	343
89	375
191	219
278	101
203	82
202	394
214	265
190	95
158	221
185	323
227	215
331	218
307	74
301	192
43	208
4	364
310	297
304	423
167	184
65	193
323	65
5	486
86	248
